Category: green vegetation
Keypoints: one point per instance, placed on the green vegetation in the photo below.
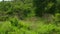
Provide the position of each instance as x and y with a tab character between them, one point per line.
30	17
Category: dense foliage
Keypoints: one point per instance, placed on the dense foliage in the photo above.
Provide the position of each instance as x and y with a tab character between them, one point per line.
30	17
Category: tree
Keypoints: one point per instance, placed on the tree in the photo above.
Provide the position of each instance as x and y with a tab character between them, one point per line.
44	6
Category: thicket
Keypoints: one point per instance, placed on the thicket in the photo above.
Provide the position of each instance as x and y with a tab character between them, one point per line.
30	17
28	8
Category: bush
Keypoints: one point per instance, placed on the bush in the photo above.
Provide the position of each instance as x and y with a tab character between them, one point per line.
57	17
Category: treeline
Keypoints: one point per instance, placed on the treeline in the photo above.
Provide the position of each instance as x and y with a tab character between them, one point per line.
28	8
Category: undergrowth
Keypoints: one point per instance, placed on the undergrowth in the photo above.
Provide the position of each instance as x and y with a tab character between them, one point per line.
15	26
